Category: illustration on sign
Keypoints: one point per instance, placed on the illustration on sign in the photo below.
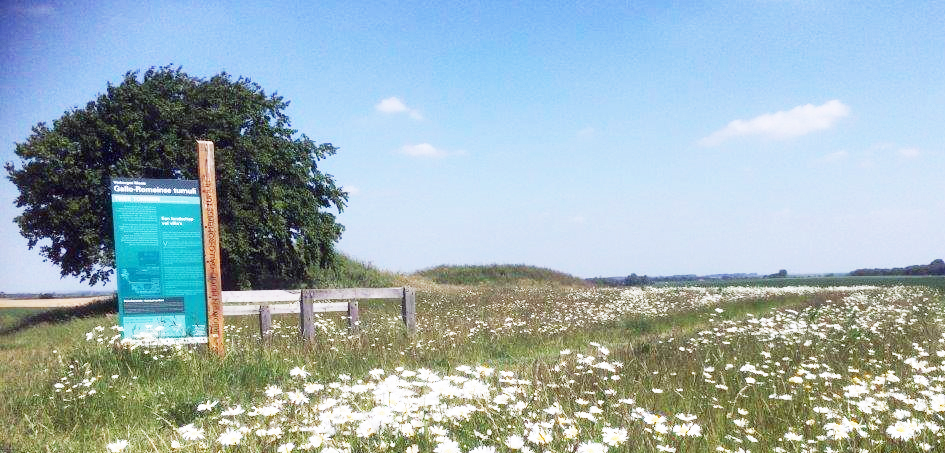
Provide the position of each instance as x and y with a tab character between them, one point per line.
159	260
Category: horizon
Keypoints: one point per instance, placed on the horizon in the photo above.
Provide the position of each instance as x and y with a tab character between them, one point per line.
595	140
110	287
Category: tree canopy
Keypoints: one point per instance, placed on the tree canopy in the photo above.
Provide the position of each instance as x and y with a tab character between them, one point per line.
273	200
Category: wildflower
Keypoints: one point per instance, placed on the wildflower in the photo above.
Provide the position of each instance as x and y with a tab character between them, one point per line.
570	432
514	442
233	411
483	449
316	440
687	429
592	447
286	448
273	391
190	432
903	429
299	372
614	436
202	407
539	435
297	397
117	446
447	446
230	437
267	411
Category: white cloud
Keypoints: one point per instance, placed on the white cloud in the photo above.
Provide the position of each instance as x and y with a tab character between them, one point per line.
393	105
587	132
835	156
351	190
423	150
800	120
909	152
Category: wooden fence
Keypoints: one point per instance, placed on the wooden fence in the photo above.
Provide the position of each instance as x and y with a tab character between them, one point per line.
265	303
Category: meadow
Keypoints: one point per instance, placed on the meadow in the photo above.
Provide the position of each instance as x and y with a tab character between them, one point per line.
506	368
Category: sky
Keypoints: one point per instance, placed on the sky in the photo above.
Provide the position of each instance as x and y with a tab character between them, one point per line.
594	138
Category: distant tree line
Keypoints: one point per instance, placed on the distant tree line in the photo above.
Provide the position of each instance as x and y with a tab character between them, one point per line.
644	280
630	280
936	267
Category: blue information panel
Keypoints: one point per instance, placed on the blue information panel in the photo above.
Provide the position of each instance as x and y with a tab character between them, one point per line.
159	260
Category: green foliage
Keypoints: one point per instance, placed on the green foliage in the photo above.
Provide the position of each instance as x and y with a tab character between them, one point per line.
272	195
498	274
780	274
346	272
936	267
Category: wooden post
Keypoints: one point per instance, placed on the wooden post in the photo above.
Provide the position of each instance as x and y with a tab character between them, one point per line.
354	318
265	323
211	245
306	315
408	310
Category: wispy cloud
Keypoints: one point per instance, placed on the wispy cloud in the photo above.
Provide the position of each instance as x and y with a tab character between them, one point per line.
428	150
393	105
800	120
351	190
587	132
909	152
835	156
38	10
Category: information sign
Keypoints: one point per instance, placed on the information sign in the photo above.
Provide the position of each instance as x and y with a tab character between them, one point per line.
159	260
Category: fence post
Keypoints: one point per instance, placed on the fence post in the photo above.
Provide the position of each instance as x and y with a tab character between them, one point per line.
265	323
354	318
408	309
306	315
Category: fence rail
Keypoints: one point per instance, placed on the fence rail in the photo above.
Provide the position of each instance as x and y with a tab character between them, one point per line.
265	303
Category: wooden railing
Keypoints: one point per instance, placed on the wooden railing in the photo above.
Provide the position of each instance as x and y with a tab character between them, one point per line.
265	303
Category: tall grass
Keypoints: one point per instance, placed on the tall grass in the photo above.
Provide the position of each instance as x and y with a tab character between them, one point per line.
580	366
346	272
499	274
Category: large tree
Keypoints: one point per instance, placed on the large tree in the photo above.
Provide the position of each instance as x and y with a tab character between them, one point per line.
273	199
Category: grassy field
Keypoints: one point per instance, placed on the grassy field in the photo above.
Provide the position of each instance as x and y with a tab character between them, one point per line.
935	281
503	274
540	368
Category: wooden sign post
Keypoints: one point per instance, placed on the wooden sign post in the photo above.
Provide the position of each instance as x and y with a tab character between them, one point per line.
211	246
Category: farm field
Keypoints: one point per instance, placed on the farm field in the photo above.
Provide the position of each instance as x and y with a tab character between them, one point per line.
527	368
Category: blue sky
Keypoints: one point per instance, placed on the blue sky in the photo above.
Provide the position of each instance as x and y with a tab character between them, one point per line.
597	138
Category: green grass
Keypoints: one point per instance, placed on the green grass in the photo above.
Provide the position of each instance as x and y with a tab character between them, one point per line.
499	274
347	272
662	338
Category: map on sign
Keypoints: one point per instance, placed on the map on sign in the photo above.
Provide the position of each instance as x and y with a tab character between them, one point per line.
159	260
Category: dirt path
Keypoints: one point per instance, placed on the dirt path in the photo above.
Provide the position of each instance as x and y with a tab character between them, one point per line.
48	303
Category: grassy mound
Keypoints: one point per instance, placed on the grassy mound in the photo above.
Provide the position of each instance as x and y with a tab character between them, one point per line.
350	273
498	274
